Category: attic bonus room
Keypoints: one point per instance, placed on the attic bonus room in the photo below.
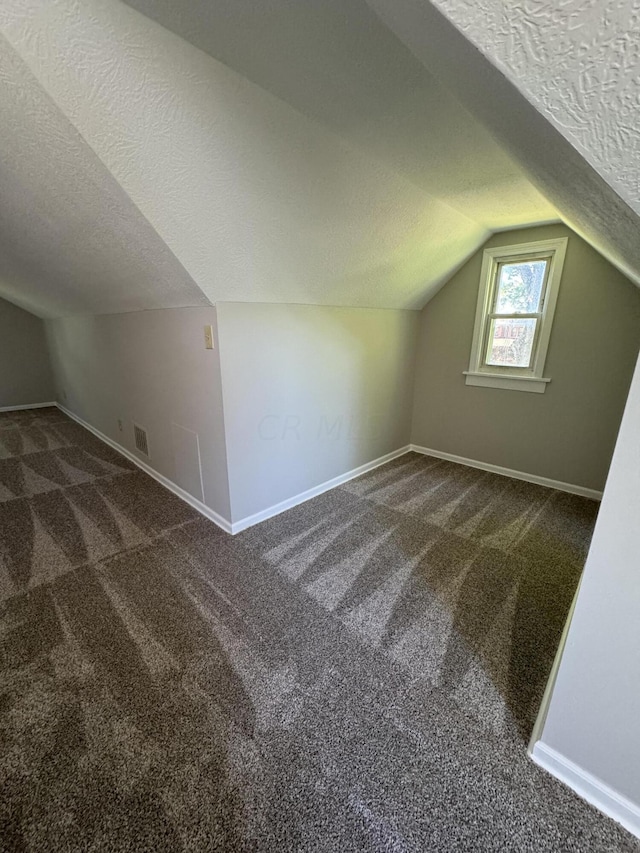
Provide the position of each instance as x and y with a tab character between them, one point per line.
319	416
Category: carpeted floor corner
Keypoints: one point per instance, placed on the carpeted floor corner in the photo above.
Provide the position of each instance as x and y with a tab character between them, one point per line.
360	673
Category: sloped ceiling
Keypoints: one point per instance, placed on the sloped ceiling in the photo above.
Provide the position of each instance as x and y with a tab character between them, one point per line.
335	62
578	63
370	190
69	234
560	94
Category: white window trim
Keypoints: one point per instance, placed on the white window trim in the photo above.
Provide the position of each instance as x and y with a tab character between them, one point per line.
514	378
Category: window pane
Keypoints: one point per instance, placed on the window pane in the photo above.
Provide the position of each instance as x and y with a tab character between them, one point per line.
511	342
520	287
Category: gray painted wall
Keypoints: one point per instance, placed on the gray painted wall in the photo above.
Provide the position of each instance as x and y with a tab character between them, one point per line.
593	715
149	367
567	433
310	393
25	370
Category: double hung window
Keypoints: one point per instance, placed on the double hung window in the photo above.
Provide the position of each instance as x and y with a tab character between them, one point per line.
516	303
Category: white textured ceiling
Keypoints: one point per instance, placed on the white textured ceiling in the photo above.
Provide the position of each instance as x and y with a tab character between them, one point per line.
335	62
578	62
560	94
70	237
371	191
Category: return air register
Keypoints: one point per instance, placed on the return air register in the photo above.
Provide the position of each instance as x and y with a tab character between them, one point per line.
142	443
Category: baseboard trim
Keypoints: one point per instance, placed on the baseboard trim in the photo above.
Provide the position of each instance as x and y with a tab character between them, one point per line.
583	491
587	786
203	509
28	406
278	508
200	507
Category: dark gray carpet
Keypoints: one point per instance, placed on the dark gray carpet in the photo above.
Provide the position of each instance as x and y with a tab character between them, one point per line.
359	673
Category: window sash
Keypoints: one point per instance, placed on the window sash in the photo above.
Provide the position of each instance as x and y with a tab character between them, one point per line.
509	377
488	342
492	314
523	259
514	316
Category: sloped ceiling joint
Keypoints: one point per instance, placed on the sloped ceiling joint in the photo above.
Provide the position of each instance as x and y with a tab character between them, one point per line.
583	198
337	64
257	201
71	240
578	63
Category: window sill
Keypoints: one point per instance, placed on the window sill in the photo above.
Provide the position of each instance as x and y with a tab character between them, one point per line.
509	383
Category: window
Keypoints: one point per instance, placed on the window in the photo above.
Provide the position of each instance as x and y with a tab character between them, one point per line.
517	300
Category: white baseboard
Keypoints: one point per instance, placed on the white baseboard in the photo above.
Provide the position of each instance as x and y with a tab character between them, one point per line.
588	787
202	508
28	406
276	509
583	491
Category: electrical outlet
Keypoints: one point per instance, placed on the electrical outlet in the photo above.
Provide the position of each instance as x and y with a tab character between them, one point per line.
119	424
208	337
63	394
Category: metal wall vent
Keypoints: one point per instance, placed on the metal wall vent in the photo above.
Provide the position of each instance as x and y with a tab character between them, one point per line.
142	443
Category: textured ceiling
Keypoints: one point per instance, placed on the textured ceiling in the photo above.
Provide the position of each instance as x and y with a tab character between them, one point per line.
593	60
578	62
70	238
331	202
338	64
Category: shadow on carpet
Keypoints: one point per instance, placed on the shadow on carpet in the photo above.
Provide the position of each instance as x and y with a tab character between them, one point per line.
357	674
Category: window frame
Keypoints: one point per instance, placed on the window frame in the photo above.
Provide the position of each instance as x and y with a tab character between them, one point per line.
515	378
